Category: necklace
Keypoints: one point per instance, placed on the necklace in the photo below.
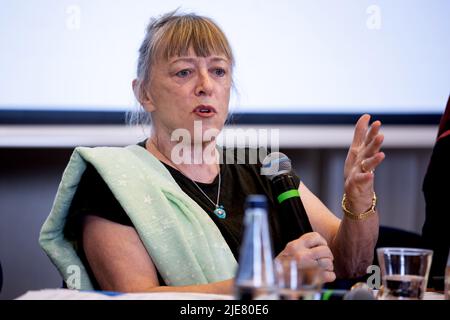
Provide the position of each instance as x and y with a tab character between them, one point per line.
219	211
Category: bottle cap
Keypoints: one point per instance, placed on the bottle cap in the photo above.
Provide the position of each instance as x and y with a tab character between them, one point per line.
256	201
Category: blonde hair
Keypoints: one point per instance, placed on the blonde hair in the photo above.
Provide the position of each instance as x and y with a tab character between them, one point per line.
173	35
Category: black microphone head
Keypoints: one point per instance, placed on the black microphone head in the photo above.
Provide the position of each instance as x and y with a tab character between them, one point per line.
275	164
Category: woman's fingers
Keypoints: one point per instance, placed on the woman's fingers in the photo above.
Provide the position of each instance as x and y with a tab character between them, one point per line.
364	177
371	163
326	264
329	276
305	242
305	262
360	130
361	136
323	259
309	240
365	172
374	146
321	252
372	132
311	251
314	254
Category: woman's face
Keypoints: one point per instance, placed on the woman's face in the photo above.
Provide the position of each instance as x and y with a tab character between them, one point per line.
190	89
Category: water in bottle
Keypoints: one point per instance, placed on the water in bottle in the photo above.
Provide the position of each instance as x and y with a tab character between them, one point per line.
255	278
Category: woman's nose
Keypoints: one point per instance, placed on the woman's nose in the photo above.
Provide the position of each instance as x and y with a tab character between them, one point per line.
204	85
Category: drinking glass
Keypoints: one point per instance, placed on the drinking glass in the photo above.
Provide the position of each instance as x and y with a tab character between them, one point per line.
296	282
404	272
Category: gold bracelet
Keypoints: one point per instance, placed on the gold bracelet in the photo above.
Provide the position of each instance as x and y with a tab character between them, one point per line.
360	216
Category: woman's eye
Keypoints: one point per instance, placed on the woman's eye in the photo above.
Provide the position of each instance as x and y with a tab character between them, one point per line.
219	72
183	73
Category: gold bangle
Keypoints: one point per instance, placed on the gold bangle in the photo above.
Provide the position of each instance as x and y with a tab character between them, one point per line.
360	216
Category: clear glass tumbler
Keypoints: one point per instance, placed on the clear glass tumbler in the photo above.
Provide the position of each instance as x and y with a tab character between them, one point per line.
296	282
404	272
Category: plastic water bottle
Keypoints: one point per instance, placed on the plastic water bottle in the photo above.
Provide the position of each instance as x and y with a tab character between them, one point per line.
255	278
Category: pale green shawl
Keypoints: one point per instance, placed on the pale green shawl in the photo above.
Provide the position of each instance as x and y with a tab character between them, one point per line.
182	240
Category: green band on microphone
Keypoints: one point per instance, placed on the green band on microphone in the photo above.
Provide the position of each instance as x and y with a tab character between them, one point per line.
287	195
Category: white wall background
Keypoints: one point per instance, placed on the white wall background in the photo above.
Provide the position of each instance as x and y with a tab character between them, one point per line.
292	56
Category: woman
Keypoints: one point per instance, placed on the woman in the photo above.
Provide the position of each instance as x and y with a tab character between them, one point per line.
184	77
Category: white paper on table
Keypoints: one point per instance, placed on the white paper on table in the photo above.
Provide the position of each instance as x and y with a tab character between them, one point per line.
67	294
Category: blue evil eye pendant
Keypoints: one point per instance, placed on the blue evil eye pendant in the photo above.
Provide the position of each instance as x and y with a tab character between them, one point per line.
220	212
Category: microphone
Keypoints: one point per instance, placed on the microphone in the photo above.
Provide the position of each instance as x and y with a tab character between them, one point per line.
292	214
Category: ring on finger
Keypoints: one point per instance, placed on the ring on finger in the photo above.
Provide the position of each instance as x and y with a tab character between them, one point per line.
363	168
321	264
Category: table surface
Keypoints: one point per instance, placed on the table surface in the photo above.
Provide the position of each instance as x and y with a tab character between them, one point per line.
66	294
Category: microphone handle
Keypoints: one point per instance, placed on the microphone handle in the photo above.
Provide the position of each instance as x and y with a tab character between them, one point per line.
292	214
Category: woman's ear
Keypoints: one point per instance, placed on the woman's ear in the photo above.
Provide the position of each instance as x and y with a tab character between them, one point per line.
143	96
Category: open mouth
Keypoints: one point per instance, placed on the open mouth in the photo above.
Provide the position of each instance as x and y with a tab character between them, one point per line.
204	111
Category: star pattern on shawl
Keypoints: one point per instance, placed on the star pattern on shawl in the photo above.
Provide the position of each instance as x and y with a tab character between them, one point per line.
122	183
148	199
